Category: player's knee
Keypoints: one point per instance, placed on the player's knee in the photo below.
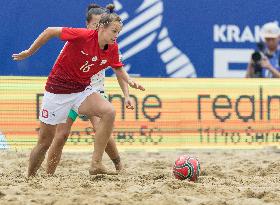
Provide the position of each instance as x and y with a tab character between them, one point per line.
44	145
63	135
46	134
110	112
45	140
60	138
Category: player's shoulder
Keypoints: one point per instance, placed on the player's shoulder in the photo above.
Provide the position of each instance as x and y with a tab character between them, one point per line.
79	30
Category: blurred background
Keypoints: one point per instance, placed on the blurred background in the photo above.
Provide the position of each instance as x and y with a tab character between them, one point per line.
161	38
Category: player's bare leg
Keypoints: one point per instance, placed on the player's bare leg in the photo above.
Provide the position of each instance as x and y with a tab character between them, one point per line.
46	135
61	136
113	153
55	151
111	148
106	112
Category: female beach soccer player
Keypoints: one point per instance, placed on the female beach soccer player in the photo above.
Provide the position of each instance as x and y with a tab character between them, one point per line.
68	86
63	130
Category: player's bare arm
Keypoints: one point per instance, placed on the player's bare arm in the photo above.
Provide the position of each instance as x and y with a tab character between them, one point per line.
44	37
124	75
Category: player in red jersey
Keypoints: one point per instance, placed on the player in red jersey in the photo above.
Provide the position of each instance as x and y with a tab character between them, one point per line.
68	86
63	130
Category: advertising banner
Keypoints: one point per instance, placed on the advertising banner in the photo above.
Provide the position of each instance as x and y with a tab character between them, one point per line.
171	113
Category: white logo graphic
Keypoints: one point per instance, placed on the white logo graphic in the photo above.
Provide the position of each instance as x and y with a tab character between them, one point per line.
233	33
103	62
144	26
223	57
94	58
84	53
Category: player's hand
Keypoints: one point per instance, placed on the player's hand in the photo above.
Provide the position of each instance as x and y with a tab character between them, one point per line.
128	103
135	85
22	55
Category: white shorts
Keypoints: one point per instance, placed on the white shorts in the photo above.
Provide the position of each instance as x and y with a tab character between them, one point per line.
55	107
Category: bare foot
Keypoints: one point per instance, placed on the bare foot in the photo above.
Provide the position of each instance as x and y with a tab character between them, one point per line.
98	168
118	164
119	167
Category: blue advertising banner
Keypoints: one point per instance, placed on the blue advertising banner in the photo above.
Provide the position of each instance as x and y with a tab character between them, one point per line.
160	38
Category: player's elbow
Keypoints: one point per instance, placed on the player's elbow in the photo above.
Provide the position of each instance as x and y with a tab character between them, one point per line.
118	70
52	32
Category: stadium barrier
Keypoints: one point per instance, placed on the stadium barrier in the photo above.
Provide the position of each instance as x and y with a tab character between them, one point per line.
170	114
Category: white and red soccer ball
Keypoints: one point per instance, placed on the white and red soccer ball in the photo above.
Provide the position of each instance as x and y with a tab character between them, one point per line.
186	167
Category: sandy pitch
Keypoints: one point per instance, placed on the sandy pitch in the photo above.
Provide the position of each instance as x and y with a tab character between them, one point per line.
228	178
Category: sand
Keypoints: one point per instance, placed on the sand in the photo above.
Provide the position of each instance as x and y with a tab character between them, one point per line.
233	177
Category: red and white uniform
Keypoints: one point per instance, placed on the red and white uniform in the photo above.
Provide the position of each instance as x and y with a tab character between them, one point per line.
68	84
79	60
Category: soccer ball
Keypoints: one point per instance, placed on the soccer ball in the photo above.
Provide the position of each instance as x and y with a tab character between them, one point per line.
186	167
